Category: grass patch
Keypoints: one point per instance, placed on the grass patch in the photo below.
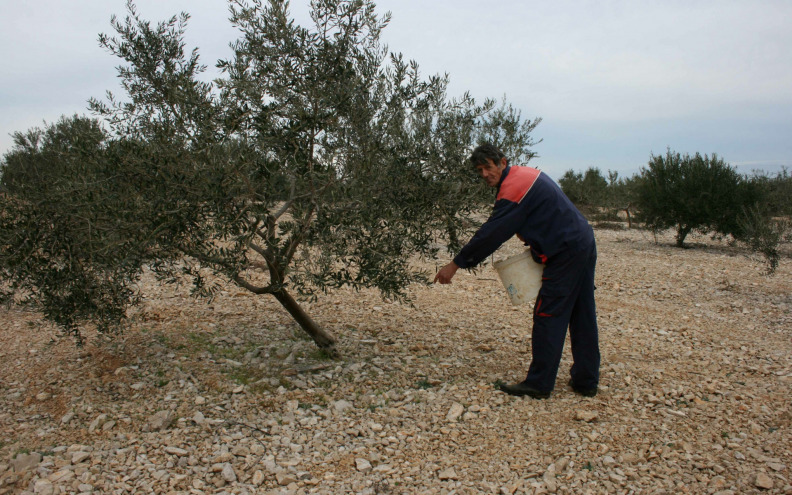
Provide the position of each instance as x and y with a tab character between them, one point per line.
204	342
243	375
423	384
318	354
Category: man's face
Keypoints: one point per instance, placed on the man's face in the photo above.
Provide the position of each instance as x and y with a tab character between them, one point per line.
491	171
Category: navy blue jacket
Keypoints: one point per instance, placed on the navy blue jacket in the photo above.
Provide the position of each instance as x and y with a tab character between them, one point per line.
532	206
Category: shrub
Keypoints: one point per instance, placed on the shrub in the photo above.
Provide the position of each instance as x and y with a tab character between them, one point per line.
763	234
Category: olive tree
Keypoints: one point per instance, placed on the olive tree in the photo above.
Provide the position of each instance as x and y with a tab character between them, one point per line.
319	159
585	189
691	193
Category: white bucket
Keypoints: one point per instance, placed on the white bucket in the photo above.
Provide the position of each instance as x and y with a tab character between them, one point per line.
521	276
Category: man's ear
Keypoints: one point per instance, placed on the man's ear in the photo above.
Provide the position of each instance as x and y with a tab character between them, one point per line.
503	162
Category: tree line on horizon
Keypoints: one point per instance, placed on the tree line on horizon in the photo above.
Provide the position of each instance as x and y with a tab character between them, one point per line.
688	193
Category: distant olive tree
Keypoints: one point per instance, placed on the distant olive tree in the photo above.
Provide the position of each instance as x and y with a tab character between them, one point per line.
584	189
622	194
690	193
591	190
318	160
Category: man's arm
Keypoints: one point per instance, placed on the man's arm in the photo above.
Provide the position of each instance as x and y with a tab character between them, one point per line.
504	222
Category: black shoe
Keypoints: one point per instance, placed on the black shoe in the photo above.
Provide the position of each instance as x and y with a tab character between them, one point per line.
521	389
585	392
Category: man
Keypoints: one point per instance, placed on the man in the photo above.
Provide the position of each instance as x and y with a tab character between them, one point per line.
530	205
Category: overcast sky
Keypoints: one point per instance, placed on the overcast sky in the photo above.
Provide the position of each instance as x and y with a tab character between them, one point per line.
613	81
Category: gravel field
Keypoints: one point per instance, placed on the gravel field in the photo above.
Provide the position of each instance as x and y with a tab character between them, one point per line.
229	397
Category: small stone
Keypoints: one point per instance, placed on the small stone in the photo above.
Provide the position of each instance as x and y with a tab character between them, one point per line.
586	416
199	418
161	420
342	406
258	478
199	401
176	451
62	476
362	465
455	412
717	483
630	458
43	487
764	481
228	473
271	466
549	478
224	457
511	488
138	386
67	417
284	479
616	478
561	464
551	485
24	462
98	422
447	474
79	457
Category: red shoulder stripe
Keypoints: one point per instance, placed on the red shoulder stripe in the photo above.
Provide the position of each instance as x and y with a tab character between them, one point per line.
518	183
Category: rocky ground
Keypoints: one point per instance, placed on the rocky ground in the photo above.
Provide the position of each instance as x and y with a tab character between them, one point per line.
230	398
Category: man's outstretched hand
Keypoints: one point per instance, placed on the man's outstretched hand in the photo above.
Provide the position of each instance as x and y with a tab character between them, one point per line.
446	273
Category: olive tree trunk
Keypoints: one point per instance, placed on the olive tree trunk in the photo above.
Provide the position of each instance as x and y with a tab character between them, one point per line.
322	338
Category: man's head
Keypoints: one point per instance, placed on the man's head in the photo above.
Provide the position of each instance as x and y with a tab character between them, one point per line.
490	162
